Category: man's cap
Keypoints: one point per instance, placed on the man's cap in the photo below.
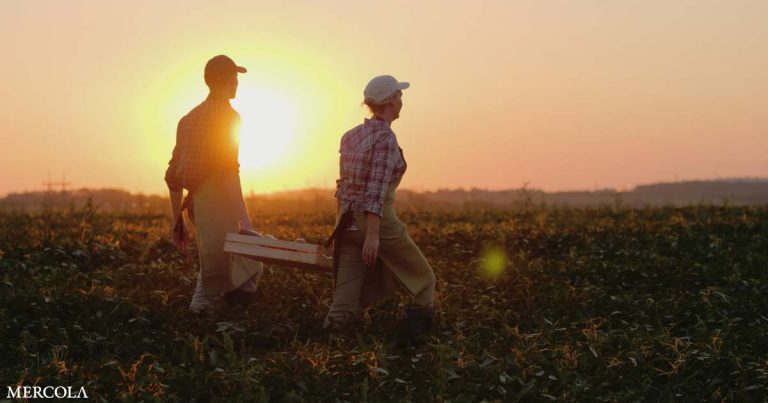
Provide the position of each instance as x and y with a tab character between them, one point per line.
222	67
382	87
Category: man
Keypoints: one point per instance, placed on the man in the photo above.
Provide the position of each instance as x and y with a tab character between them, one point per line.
205	162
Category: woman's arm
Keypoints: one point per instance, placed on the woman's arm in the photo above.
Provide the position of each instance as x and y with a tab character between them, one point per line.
382	166
385	152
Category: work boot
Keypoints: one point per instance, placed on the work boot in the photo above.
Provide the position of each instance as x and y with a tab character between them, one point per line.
418	321
245	294
239	297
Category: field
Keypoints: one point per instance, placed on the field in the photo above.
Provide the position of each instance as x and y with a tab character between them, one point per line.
601	304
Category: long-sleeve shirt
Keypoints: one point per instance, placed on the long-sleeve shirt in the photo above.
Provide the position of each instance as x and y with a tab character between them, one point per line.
370	160
206	144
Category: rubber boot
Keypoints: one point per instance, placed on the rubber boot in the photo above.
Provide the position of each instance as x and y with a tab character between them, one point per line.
419	322
240	297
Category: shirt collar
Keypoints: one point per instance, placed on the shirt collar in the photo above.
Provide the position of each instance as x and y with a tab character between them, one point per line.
217	100
375	119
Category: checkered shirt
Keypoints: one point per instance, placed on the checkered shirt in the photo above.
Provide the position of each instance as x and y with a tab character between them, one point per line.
370	160
206	144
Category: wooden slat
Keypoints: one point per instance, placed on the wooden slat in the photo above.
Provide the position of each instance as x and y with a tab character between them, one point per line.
325	268
260	251
274	243
280	257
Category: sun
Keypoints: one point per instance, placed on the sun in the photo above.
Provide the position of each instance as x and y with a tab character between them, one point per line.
268	126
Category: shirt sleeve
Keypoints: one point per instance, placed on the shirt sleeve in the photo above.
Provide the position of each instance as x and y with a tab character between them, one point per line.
171	179
382	166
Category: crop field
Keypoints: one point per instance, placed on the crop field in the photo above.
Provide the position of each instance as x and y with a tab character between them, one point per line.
534	304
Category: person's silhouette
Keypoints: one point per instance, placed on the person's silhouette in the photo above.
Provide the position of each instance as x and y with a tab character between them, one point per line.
205	162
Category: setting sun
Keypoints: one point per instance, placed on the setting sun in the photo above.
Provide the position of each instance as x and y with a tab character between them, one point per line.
268	126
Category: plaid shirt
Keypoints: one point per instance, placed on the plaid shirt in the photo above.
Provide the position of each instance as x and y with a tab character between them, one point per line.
370	160
206	143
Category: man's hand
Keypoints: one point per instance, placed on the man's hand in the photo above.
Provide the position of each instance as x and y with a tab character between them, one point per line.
250	232
180	236
245	224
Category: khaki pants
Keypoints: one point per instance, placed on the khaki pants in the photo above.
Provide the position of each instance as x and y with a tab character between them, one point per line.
400	261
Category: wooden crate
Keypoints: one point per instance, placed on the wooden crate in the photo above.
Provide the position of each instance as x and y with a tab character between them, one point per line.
278	252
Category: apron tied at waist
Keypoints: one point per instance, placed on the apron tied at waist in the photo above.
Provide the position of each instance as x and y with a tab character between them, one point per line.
336	237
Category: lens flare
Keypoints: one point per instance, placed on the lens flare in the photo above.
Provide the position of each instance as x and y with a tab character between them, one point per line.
494	262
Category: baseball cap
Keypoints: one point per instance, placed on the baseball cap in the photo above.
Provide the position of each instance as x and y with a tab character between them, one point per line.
221	66
381	87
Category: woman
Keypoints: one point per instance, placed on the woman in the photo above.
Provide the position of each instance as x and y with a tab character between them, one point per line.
373	251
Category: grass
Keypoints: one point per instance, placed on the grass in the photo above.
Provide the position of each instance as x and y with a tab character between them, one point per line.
602	304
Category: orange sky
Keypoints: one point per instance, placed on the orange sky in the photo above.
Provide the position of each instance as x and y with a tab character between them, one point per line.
560	94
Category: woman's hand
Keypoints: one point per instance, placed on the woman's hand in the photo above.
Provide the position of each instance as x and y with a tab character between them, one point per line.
371	250
371	244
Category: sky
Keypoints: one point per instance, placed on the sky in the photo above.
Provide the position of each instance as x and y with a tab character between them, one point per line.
558	94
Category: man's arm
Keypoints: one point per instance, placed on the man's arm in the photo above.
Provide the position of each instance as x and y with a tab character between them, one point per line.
179	234
176	200
236	192
235	188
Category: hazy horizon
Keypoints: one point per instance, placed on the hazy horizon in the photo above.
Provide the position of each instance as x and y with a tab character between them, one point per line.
562	95
529	186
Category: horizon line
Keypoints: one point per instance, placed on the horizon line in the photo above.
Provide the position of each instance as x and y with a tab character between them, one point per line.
525	185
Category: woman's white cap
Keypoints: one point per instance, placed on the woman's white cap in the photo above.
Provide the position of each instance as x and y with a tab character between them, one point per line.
381	87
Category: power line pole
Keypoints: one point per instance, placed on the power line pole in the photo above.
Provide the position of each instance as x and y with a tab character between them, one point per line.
49	184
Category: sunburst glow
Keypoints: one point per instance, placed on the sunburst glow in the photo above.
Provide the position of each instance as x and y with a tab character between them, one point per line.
268	126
